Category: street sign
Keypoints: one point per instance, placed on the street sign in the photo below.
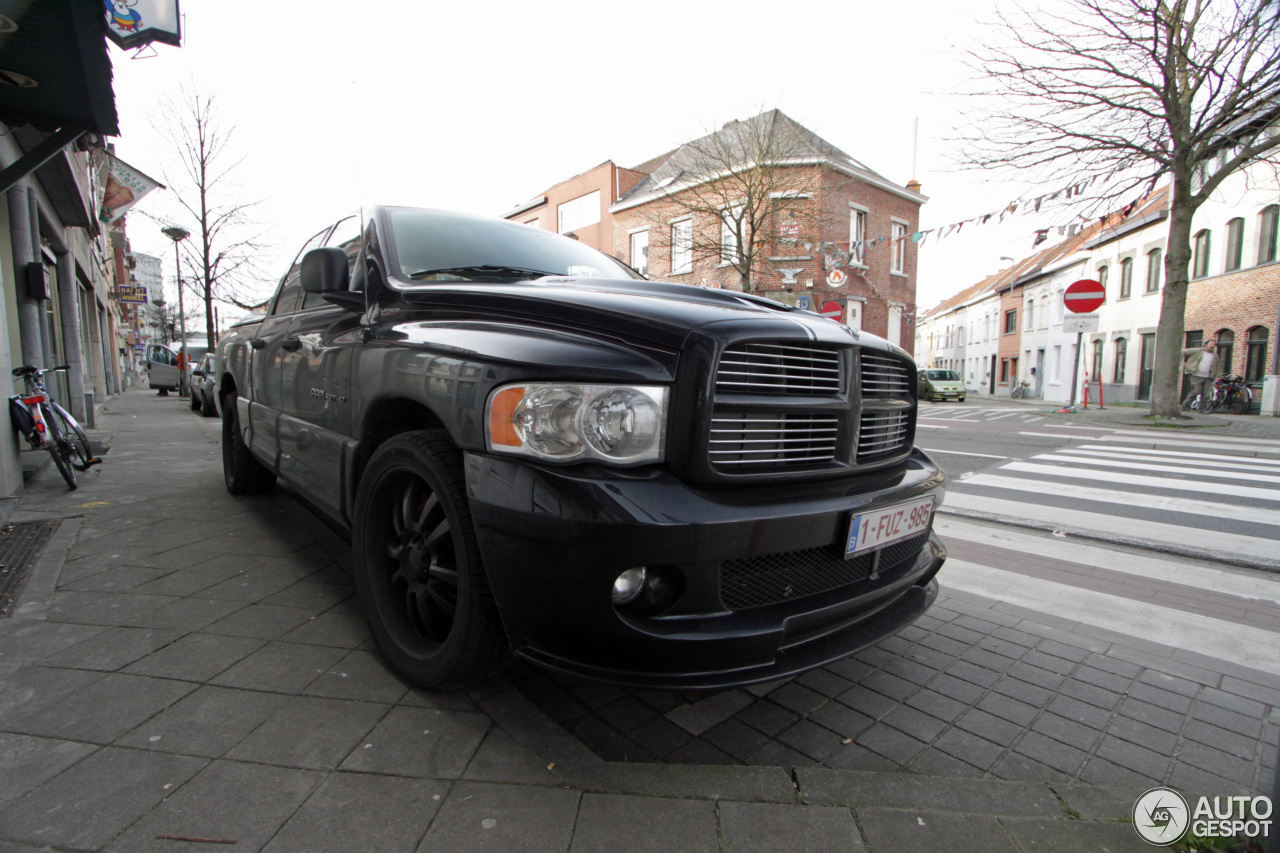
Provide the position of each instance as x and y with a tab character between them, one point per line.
836	278
1085	296
1080	322
832	310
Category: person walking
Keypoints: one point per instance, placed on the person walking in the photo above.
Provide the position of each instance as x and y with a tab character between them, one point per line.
1198	366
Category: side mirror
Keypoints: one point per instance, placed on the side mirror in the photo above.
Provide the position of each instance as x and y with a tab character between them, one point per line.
325	270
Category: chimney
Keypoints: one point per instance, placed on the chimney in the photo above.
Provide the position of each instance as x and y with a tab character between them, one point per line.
913	185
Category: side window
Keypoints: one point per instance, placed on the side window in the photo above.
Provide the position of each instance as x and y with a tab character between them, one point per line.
287	300
345	236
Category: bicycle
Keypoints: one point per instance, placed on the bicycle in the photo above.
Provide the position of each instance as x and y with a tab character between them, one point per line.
1019	389
48	426
1229	391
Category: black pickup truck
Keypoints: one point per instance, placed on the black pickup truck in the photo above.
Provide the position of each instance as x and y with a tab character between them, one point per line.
537	451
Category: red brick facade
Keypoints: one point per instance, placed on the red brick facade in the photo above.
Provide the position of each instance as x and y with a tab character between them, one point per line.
1238	302
1010	341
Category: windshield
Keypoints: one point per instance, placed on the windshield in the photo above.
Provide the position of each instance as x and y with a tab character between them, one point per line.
943	375
436	245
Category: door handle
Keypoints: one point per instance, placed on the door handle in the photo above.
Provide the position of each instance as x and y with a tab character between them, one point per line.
257	343
291	344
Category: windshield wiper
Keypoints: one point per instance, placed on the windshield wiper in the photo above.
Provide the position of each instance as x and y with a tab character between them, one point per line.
482	271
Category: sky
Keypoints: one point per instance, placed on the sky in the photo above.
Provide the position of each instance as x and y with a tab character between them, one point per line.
480	107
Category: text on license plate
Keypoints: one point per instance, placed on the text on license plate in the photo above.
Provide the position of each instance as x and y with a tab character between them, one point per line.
871	530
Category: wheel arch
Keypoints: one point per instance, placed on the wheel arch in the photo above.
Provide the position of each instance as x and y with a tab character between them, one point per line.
382	421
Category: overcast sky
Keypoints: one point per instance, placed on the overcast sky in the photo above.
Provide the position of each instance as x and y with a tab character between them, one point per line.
479	107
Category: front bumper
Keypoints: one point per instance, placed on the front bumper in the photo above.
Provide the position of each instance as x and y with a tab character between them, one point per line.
554	540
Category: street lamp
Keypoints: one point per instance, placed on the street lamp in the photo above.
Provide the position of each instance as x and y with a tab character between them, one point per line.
177	235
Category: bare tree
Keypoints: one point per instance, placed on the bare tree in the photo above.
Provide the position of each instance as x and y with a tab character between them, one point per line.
1133	91
749	187
221	252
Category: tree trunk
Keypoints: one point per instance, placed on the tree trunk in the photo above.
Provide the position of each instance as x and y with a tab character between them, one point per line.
1166	388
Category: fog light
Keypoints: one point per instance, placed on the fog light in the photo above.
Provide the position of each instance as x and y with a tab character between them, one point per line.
628	585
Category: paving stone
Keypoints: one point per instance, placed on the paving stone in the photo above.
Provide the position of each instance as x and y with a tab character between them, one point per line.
867	702
102	608
186	614
1249	708
1248	726
1057	755
798	698
1147	736
973	673
989	660
1172	683
359	811
502	818
1066	731
500	759
931	658
698	751
661	737
30	688
1018	638
1194	782
195	657
890	743
990	727
1167	699
344	630
961	634
945	644
957	689
1204	733
915	723
913	671
1069	836
422	743
361	676
920	794
738	739
854	757
281	667
827	683
889	685
604	819
1051	663
89	804
937	705
117	579
261	621
850	668
712	710
1008	708
811	739
1099	771
27	641
105	709
936	763
26	762
1082	712
841	719
310	733
1152	715
1106	699
970	748
1149	763
1244	687
777	754
1108	663
312	595
206	722
626	713
111	650
1015	767
186	581
751	827
932	833
1103	679
246	803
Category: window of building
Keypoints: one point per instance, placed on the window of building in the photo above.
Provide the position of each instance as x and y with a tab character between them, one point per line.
899	244
857	234
1255	365
1055	365
1004	371
682	246
1102	280
1097	360
1226	350
1200	260
1030	317
1011	321
730	245
1059	307
1235	244
1126	277
1269	229
640	252
583	210
1155	265
1122	354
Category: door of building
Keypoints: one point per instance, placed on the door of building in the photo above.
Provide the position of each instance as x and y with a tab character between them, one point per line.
992	388
1148	358
1040	373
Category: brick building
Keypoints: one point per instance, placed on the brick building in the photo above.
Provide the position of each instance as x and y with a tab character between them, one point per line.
834	231
580	205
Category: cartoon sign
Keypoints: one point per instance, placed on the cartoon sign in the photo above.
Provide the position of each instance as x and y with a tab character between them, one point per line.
124	187
133	23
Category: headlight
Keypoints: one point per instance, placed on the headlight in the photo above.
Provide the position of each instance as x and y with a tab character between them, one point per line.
619	424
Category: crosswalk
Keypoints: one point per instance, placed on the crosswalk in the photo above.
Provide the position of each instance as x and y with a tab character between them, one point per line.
965	412
1135	489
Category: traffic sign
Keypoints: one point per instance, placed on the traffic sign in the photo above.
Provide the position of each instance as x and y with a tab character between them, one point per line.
1085	296
832	310
1080	322
836	278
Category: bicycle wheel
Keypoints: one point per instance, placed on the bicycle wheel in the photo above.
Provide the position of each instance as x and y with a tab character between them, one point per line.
80	447
59	446
1239	401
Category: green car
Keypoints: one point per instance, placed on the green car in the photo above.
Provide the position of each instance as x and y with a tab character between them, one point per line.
941	385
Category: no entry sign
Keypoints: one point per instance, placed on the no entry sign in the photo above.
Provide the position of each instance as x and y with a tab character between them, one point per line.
1084	296
832	310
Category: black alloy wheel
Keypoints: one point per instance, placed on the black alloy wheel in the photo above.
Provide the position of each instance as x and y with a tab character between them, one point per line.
418	567
244	475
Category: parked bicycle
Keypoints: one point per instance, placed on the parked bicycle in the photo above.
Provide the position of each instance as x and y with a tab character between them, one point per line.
48	426
1019	389
1229	392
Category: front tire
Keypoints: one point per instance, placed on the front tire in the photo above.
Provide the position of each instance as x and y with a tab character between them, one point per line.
244	474
418	568
59	447
1238	403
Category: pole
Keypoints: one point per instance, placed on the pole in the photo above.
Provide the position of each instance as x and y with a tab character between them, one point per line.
1075	368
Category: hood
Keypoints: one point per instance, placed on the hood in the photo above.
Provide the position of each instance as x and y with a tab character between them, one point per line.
652	313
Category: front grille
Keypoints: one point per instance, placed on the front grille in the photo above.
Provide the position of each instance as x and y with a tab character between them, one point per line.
883	376
779	368
757	581
773	438
882	435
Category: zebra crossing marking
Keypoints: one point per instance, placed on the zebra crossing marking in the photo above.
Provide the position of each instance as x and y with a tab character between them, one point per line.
1167	469
1140	480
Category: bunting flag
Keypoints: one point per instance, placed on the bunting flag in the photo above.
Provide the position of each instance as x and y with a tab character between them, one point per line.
123	188
1042	234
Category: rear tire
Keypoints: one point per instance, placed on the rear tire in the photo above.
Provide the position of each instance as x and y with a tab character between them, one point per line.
244	474
1238	403
418	569
59	447
207	408
195	402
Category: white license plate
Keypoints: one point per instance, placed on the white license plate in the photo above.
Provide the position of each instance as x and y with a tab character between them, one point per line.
879	527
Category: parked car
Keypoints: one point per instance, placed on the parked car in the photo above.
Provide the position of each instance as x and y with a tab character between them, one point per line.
941	385
203	387
162	368
536	451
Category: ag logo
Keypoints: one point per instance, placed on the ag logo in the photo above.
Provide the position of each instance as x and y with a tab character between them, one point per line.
1161	816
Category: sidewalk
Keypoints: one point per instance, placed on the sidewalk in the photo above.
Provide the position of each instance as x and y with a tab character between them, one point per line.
184	664
1137	417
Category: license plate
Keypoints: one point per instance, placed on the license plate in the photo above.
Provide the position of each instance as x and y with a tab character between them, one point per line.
880	527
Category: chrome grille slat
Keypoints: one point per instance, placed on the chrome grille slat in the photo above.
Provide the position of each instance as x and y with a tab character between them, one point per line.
882	435
884	376
777	369
769	439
